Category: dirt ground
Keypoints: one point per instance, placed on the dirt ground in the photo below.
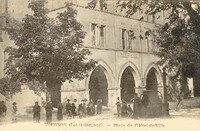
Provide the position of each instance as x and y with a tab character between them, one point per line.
186	118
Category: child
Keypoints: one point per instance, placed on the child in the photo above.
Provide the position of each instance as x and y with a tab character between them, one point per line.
14	112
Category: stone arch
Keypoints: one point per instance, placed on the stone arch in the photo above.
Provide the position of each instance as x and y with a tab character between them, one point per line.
158	74
108	72
135	72
108	81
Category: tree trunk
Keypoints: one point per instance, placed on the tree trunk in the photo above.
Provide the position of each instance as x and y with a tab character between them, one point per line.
53	91
184	85
196	80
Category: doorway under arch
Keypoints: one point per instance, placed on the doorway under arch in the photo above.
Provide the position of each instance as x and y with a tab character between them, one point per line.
152	80
127	85
98	85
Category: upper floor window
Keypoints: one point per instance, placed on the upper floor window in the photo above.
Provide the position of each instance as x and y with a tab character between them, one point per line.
147	41
127	39
98	35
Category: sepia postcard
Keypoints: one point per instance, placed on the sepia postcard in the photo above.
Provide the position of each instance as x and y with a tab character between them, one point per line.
99	65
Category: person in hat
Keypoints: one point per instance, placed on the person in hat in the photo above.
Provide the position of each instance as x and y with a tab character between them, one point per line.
119	108
59	112
36	112
14	112
68	108
49	110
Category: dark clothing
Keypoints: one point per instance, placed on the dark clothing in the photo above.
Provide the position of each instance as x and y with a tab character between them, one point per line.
36	113
145	100
4	109
136	107
73	110
99	107
80	110
49	110
124	111
59	112
119	108
84	110
68	109
1	108
90	111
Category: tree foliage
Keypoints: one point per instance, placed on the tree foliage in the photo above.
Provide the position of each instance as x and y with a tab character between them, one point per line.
47	49
178	38
8	87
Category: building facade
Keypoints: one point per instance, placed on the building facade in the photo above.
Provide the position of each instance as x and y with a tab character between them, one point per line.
123	49
121	45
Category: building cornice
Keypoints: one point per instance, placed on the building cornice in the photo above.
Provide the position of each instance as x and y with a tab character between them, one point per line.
119	50
106	12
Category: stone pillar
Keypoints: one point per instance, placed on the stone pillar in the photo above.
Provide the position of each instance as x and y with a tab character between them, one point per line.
139	90
161	91
113	93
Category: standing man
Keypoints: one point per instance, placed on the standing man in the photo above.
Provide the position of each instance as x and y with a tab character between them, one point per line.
36	112
14	112
68	108
49	110
119	108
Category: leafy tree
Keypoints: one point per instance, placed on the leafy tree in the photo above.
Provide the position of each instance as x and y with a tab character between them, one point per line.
48	50
8	87
178	39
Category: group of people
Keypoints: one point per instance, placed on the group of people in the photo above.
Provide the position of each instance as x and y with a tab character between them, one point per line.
72	109
125	110
82	110
3	110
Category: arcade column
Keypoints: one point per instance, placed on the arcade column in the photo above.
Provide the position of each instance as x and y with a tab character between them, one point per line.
113	93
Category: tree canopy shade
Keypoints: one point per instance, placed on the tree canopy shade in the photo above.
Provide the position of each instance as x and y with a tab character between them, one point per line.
48	50
178	38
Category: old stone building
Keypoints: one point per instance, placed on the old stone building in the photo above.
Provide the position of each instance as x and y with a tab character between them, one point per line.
121	45
123	48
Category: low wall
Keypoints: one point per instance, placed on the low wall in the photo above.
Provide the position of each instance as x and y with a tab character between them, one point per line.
193	102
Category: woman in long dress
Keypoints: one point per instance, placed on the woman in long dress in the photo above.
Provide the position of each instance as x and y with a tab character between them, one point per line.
49	110
59	113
